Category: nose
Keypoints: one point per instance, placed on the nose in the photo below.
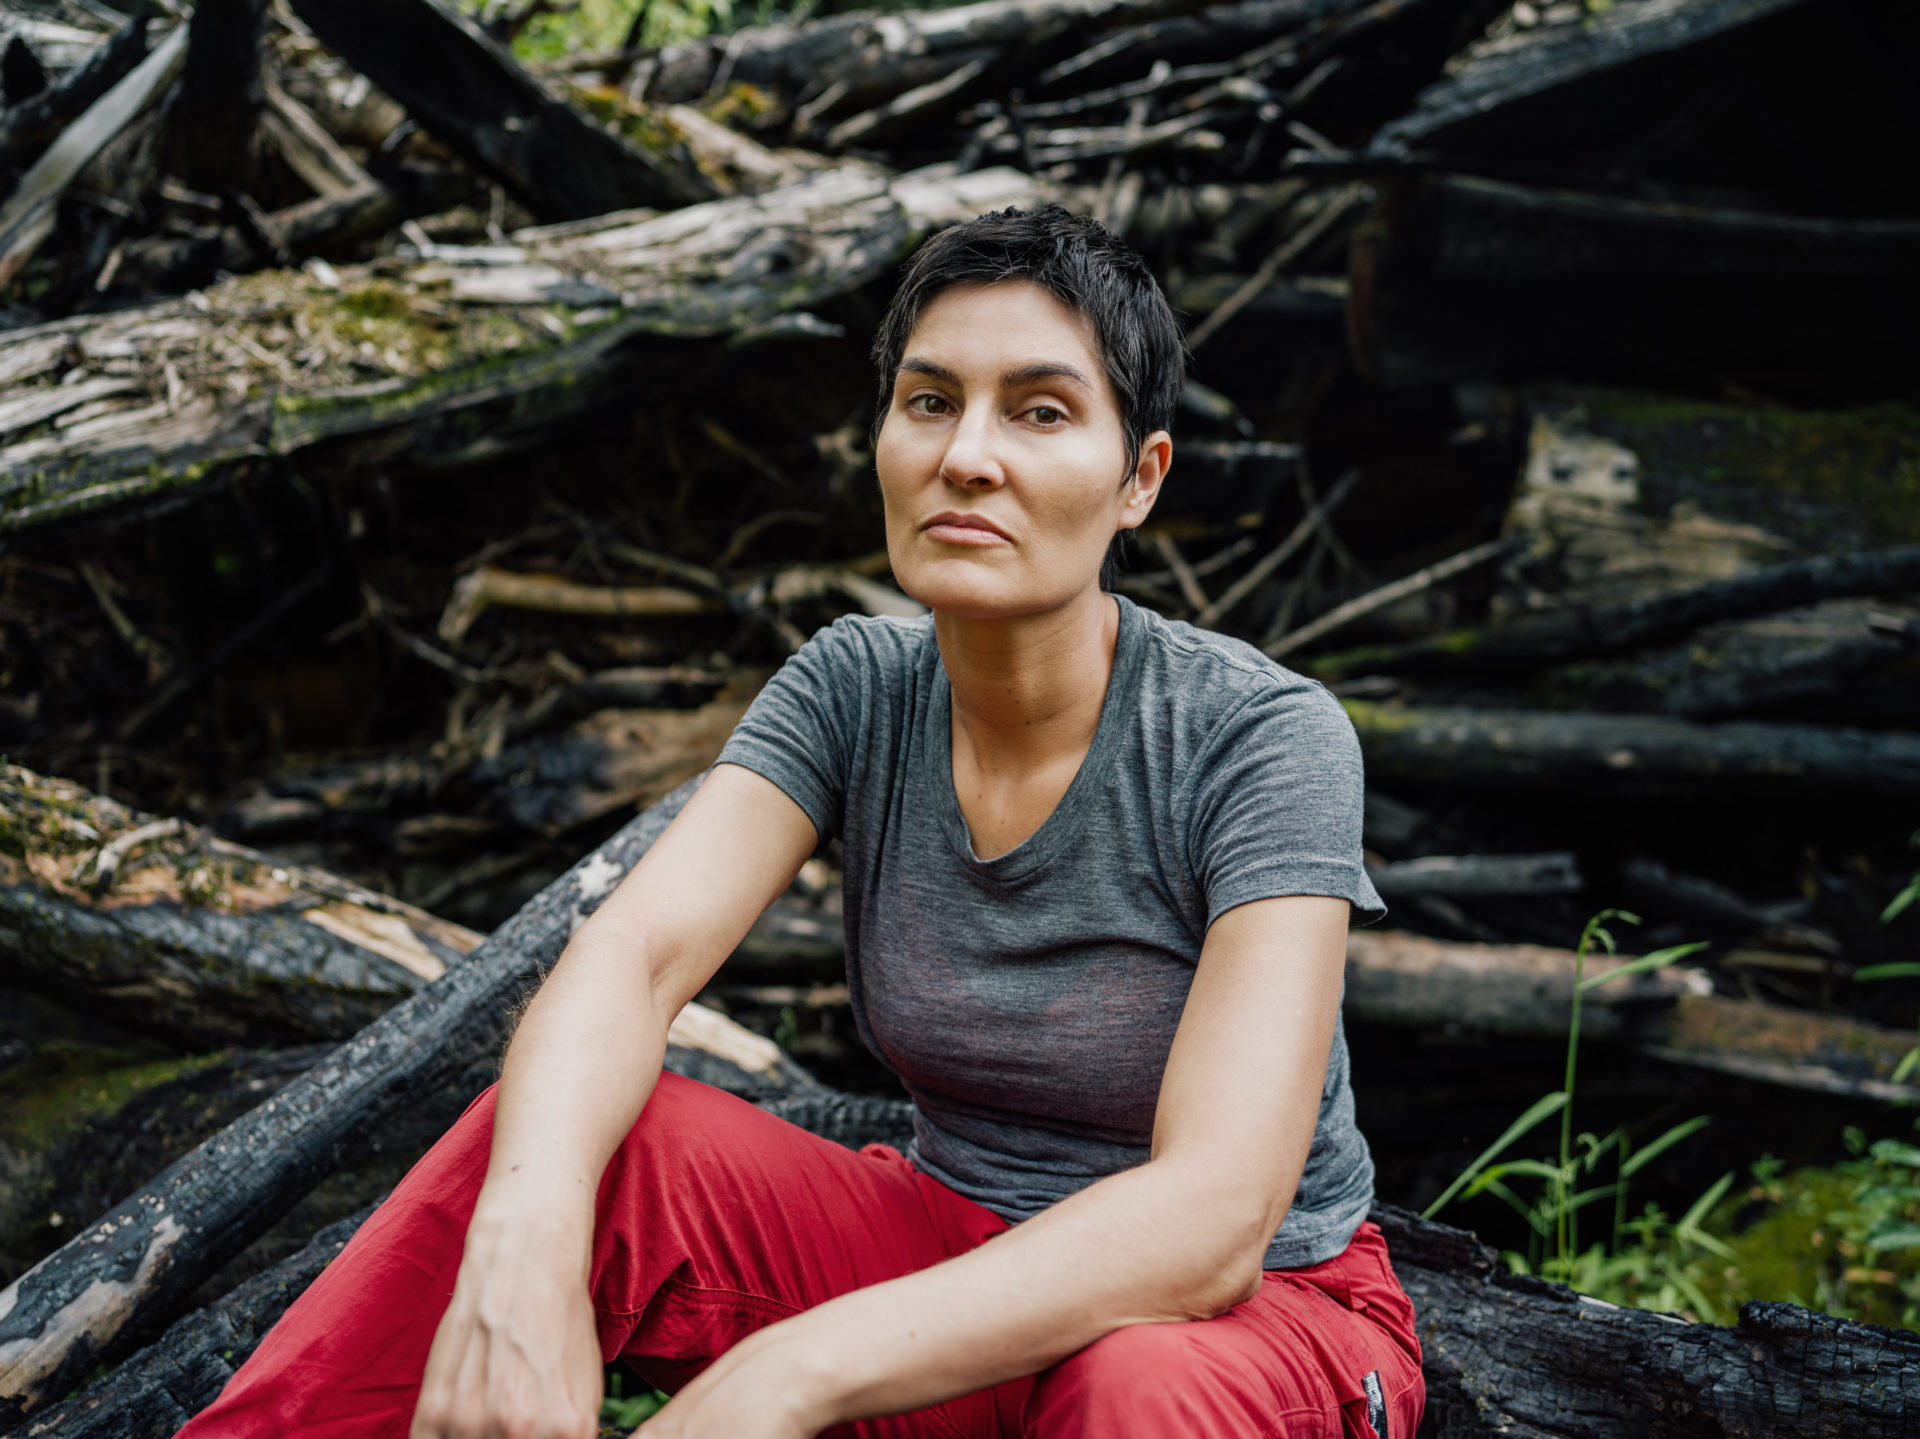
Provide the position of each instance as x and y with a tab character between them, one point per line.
972	461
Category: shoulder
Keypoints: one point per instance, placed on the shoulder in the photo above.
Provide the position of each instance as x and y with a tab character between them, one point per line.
1213	688
855	648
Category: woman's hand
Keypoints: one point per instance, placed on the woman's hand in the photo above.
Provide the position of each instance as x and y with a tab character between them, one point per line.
517	1355
753	1391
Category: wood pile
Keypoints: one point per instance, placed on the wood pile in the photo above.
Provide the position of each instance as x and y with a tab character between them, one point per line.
412	461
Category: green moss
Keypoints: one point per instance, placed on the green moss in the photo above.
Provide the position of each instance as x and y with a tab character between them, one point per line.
66	1085
1842	1240
1820	476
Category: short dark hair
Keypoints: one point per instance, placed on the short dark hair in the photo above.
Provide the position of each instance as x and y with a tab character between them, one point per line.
1079	262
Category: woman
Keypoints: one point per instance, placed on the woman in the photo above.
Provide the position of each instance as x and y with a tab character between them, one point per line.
1098	875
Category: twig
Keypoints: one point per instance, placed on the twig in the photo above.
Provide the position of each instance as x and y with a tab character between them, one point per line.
1297	593
1182	571
1295	246
1212	614
107	859
475	593
1377	599
147	649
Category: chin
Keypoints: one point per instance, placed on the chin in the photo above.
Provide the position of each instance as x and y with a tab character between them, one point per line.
969	589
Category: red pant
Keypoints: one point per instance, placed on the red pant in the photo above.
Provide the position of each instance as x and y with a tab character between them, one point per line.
715	1218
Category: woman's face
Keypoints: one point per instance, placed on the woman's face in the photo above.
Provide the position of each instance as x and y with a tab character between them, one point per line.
1002	462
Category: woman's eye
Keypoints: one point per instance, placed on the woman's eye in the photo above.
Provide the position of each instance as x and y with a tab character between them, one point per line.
928	404
1045	415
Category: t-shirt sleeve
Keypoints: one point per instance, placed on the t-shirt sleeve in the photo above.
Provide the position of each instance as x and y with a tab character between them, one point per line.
1277	804
801	730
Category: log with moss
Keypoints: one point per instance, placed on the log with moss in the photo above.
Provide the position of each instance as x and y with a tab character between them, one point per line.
170	930
131	1268
453	352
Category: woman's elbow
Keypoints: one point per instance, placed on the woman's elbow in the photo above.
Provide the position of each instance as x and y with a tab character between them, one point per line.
1229	1272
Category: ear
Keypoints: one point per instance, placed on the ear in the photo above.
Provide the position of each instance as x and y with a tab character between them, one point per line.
1156	458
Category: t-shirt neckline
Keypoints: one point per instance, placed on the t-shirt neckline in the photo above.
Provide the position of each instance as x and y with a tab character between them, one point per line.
1060	827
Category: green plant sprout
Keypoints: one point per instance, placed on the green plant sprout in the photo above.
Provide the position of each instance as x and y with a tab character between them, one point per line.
1898	904
1652	1268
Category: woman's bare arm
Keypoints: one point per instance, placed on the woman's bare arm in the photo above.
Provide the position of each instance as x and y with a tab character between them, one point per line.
516	1353
1181	1237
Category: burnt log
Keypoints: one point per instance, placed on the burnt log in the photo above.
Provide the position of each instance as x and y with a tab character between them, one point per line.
653	301
1547	747
1508	1355
474	97
128	1272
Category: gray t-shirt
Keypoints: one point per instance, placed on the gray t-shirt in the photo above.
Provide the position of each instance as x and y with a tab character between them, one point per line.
1028	1002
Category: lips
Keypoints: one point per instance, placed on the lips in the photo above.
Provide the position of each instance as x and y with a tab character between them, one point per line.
957	528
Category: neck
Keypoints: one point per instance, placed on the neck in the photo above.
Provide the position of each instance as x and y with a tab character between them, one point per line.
1027	686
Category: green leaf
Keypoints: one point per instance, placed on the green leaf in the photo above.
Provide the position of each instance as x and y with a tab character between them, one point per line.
1906	1065
1689	1225
1659	1146
1543	1108
1892	1151
1903	969
1894	1234
1659	959
1898	904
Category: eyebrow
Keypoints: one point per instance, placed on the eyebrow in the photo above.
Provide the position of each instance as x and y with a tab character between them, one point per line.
1011	380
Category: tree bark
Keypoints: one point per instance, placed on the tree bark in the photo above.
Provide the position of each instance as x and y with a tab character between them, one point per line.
469	91
651	300
129	1270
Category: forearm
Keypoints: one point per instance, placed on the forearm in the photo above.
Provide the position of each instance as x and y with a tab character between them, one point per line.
581	1066
1150	1244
